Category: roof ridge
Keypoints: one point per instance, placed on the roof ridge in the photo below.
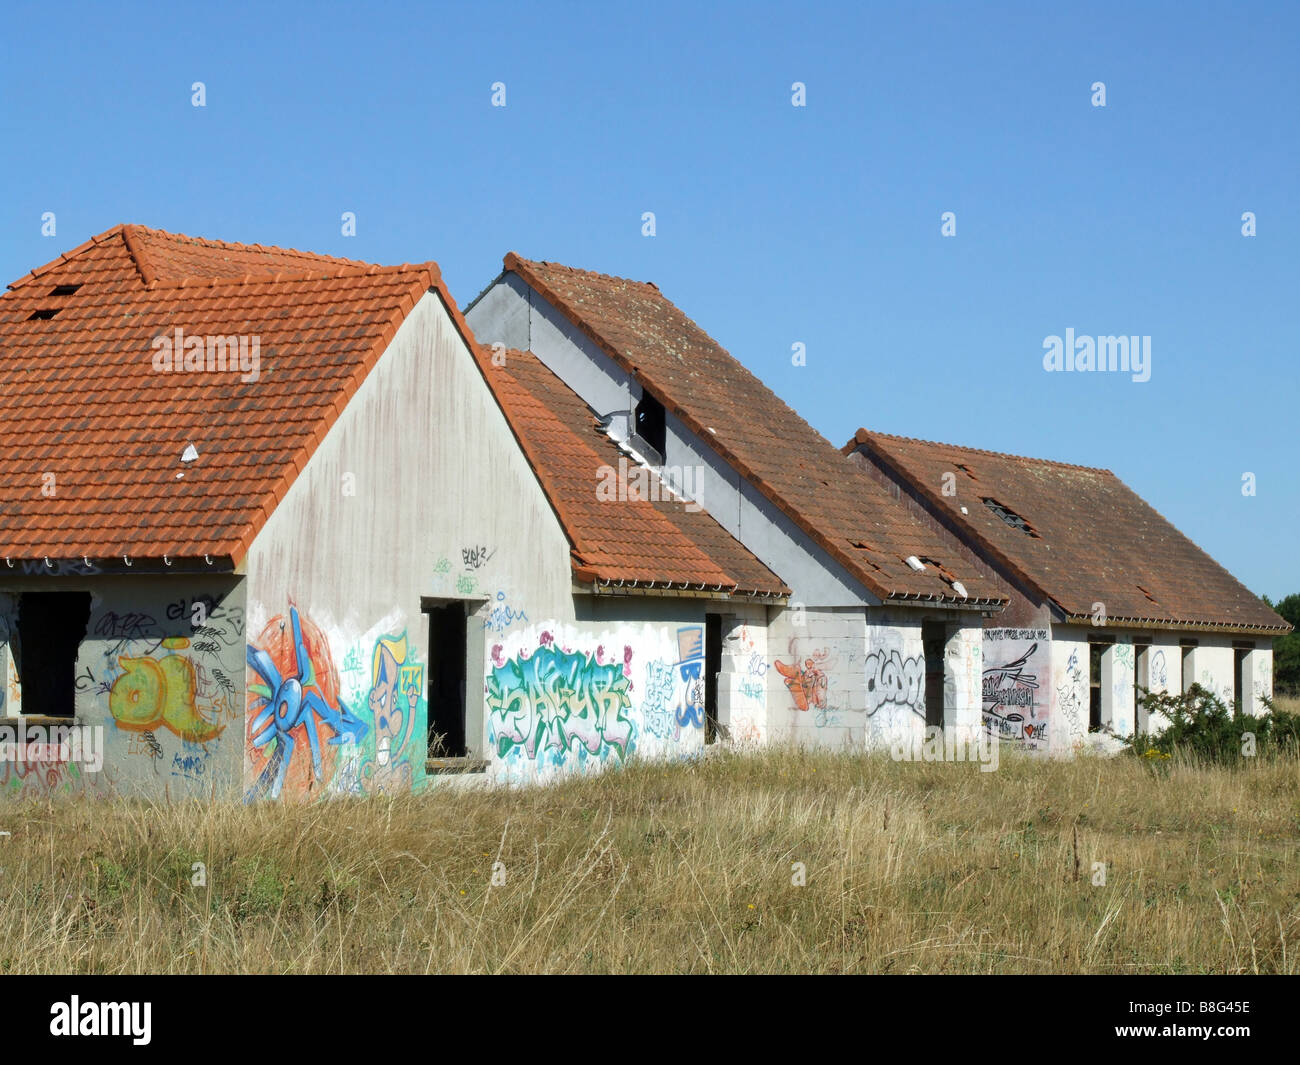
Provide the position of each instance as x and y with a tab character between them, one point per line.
862	435
513	259
65	257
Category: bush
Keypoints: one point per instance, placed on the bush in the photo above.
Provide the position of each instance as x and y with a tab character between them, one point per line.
1202	725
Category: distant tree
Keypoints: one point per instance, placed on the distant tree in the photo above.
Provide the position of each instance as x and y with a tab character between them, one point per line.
1286	650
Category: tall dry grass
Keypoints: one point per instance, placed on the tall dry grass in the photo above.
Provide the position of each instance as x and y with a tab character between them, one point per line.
683	868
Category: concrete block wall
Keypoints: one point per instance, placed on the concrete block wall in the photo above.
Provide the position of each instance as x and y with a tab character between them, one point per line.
159	678
583	697
816	686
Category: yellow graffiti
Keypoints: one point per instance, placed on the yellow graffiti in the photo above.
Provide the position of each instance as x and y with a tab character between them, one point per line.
160	691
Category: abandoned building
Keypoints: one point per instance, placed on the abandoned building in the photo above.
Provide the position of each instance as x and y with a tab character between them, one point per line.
882	629
278	525
1106	598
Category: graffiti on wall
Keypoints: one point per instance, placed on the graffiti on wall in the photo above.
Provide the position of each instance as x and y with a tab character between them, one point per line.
1015	685
293	695
806	681
895	682
554	703
153	693
394	700
1069	696
1159	672
690	668
674	691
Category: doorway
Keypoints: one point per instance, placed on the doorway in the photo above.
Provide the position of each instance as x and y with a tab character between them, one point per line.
51	626
446	683
712	667
934	637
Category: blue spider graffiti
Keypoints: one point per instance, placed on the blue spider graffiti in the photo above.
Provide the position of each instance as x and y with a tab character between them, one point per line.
290	705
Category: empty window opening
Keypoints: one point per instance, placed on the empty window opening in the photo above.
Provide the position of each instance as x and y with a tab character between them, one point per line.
446	681
51	626
651	425
43	315
1098	705
934	637
712	667
1010	517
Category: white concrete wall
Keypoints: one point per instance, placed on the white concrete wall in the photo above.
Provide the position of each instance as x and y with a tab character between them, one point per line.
419	489
1069	713
746	665
583	697
816	686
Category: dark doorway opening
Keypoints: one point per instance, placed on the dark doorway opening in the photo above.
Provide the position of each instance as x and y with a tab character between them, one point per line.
1240	704
446	684
934	637
51	626
712	667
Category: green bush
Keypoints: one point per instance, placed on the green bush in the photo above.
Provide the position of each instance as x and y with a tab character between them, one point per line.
1202	725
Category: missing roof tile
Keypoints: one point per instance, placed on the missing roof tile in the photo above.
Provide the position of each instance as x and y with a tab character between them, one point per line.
65	290
43	315
1010	517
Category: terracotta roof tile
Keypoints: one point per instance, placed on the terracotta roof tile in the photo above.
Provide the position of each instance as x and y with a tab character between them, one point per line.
839	507
655	540
1088	538
80	399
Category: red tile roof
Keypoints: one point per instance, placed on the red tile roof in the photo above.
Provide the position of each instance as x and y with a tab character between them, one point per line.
849	515
655	541
81	401
1090	538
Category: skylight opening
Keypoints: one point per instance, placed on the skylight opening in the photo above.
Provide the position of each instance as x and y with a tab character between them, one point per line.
1011	518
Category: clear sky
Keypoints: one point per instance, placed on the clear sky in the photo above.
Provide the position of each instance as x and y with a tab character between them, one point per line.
775	224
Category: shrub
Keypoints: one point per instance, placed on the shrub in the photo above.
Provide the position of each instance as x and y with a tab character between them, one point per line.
1202	725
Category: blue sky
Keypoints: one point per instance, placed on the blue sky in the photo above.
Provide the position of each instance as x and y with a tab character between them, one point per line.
774	224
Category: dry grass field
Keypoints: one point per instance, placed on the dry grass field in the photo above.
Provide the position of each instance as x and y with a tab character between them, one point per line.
684	868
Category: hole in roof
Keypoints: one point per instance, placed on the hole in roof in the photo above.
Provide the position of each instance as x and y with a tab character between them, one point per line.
43	315
966	471
65	290
1011	517
1149	596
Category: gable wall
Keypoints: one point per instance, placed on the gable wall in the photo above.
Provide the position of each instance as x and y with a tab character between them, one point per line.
419	489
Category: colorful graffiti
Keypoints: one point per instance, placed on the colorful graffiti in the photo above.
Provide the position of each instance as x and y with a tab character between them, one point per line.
690	667
294	690
1014	685
396	687
160	692
554	703
807	683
